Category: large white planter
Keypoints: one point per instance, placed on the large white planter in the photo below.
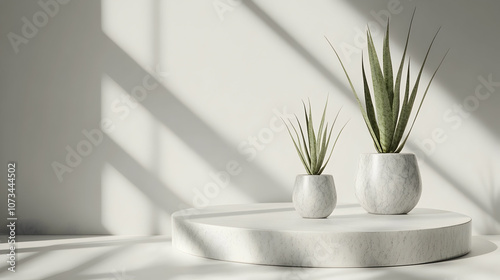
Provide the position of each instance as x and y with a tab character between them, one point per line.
388	183
314	196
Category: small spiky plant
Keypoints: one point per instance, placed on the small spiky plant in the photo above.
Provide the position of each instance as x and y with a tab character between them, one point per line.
388	120
313	150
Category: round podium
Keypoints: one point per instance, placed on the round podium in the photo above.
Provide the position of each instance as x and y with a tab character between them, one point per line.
274	234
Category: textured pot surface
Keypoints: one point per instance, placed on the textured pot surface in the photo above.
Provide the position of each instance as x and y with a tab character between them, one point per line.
388	183
314	196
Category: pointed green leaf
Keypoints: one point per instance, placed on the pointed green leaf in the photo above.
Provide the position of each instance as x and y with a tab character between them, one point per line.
370	111
333	125
421	102
388	66
312	139
407	89
307	156
397	87
384	109
297	135
323	149
375	139
323	138
326	142
333	147
321	125
401	125
408	106
301	156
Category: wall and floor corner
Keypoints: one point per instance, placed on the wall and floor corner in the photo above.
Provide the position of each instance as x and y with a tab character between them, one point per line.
209	80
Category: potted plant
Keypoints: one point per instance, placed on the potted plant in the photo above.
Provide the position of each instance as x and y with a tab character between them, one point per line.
314	194
388	182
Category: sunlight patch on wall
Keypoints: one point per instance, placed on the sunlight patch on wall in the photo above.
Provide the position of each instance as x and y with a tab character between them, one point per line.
131	24
179	162
133	125
125	209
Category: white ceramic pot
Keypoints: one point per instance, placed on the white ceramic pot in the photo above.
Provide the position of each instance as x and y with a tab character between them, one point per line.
388	184
314	196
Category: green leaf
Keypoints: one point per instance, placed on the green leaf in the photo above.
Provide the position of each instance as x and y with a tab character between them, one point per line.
407	89
375	139
321	125
370	111
408	106
304	142
326	142
388	66
312	139
401	125
384	110
333	147
301	156
324	147
397	87
333	125
421	102
297	135
318	146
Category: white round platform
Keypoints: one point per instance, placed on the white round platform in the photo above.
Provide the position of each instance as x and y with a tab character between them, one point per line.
274	234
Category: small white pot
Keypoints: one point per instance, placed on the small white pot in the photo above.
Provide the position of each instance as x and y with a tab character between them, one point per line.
314	196
388	184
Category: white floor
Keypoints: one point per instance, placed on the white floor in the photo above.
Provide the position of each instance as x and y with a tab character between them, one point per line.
150	258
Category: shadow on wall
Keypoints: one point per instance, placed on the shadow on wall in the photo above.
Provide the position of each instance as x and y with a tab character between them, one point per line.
73	54
79	54
50	92
193	131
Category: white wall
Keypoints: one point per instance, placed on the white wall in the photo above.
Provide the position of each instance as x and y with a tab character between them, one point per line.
213	75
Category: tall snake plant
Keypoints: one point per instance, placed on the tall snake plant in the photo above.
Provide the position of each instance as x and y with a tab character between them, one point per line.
313	150
388	120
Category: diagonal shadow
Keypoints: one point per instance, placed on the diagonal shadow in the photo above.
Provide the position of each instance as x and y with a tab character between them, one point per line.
71	273
91	244
75	272
466	192
166	272
146	181
200	137
21	261
41	251
297	47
